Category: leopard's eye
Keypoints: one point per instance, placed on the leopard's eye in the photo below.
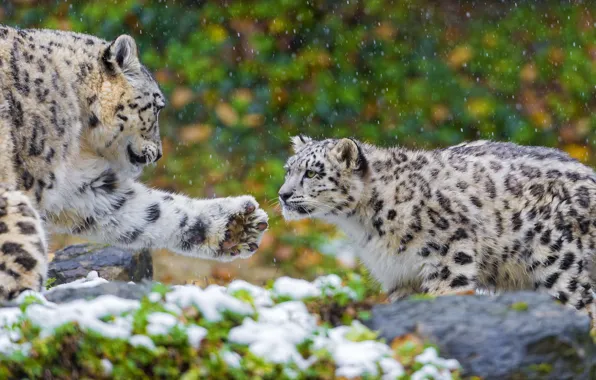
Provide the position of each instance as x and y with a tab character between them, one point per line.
310	173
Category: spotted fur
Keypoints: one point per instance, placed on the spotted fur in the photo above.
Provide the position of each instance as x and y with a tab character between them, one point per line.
480	215
78	122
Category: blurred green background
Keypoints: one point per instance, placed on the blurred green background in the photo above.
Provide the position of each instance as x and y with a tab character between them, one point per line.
243	76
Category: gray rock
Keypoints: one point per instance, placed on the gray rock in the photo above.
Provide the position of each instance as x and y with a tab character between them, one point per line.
111	263
495	340
116	288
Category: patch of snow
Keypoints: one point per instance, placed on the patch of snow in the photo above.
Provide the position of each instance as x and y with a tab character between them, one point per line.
355	359
154	297
9	315
90	281
392	369
261	297
8	340
331	285
108	367
277	332
160	323
210	301
172	308
30	293
142	341
431	356
329	281
431	372
86	313
295	288
232	359
291	312
195	335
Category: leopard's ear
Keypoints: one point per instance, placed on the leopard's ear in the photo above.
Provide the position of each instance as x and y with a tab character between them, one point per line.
121	55
347	153
298	142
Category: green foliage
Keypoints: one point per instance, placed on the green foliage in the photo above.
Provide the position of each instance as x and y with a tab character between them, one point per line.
71	351
50	282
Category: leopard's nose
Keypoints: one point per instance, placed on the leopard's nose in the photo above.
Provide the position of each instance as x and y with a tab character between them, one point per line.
284	196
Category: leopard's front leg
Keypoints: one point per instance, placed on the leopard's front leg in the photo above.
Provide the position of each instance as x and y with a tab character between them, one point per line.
128	214
23	250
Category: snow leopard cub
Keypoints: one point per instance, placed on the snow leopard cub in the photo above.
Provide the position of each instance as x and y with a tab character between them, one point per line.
480	215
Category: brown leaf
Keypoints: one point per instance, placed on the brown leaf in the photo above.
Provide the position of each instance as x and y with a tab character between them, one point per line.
440	113
556	56
163	76
223	272
528	73
284	253
267	241
460	56
408	338
307	259
181	96
253	120
243	95
226	114
195	133
386	31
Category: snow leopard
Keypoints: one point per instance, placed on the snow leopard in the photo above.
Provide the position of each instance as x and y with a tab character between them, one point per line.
78	123
482	215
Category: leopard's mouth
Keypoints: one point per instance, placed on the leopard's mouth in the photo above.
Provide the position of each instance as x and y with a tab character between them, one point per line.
137	159
297	207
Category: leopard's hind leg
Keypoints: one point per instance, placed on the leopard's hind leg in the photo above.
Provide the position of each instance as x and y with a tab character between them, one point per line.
23	250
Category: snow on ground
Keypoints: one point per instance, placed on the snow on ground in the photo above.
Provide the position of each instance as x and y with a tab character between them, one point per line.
271	330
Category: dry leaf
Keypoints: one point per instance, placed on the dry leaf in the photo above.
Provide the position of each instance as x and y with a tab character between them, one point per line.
243	95
284	253
460	56
195	133
579	152
528	73
307	259
226	114
222	272
181	96
253	120
440	113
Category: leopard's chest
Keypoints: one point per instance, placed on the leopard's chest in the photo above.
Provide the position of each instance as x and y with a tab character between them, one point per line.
389	267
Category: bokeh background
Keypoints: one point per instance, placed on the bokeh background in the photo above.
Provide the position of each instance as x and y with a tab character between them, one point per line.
243	76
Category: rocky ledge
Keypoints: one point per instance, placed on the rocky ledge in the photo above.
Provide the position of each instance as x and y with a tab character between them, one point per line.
521	335
111	263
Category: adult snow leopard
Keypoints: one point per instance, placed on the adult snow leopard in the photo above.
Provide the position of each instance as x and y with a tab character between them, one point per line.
78	122
490	215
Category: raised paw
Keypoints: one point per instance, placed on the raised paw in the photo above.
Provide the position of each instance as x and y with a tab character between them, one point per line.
222	229
245	227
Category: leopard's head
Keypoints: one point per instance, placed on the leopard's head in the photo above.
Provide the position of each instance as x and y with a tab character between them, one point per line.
124	124
323	178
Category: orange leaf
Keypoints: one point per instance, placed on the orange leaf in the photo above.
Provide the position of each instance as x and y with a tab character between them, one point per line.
578	152
181	96
195	133
460	56
226	114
